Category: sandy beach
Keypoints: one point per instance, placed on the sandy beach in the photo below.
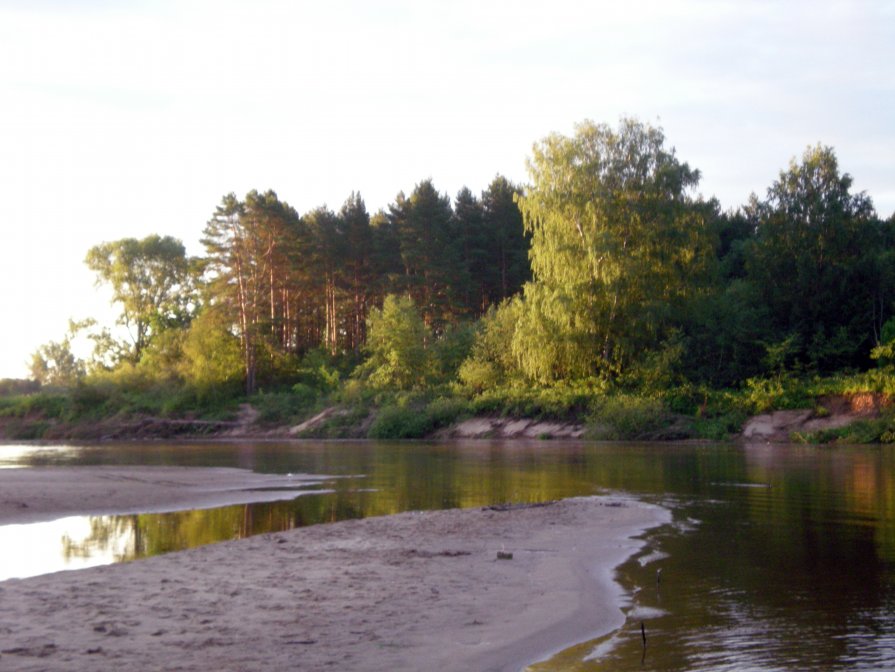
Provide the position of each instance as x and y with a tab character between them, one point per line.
414	591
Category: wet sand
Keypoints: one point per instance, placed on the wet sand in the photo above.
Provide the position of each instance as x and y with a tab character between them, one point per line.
414	591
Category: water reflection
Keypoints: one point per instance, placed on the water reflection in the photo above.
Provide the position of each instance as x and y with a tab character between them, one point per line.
780	557
40	548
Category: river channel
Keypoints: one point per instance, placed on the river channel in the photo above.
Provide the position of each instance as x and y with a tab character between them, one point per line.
778	558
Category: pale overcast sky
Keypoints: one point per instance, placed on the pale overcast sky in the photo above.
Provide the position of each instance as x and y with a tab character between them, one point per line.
121	119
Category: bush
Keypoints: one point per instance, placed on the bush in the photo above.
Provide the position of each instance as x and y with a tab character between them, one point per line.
43	404
406	418
776	393
303	395
399	422
627	416
445	411
719	427
315	372
396	338
558	402
22	430
283	407
491	362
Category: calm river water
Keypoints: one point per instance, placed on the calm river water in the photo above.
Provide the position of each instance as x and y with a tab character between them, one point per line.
779	557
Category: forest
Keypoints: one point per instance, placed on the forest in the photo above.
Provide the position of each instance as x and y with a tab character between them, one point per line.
606	288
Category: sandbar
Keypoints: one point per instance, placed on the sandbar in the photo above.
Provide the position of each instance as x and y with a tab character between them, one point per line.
45	493
413	591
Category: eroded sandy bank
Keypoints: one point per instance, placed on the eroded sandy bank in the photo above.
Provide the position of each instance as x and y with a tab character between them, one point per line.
415	591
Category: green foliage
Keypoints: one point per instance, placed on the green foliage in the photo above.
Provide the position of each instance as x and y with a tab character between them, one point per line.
626	416
618	244
718	424
884	353
445	411
434	272
16	386
723	334
48	405
563	401
303	395
163	359
450	350
659	369
641	303
813	261
396	346
780	356
409	419
874	430
399	422
881	381
719	428
491	363
280	408
150	279
317	372
55	365
774	394
211	355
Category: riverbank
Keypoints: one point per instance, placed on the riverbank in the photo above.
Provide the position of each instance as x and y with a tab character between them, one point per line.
406	592
775	415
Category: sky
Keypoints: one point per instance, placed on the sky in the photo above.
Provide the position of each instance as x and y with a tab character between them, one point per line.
126	118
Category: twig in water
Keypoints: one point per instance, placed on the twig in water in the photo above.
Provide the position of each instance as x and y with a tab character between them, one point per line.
643	635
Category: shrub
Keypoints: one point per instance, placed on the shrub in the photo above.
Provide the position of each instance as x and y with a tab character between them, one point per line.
445	411
396	337
719	427
280	407
776	393
397	422
626	416
303	395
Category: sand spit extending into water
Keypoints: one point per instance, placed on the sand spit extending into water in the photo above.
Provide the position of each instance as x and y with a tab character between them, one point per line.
47	493
415	591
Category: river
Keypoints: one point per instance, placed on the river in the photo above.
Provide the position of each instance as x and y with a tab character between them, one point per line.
779	557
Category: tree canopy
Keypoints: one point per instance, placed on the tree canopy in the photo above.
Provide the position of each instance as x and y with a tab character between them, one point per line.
812	262
618	243
150	279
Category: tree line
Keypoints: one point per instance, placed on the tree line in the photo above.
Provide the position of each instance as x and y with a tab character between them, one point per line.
273	285
606	266
637	278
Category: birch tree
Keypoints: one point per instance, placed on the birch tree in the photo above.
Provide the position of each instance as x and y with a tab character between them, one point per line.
618	243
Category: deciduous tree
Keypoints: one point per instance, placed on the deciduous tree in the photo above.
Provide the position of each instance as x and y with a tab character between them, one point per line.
618	244
150	279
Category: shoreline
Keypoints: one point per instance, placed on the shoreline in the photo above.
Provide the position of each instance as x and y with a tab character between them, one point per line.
405	592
